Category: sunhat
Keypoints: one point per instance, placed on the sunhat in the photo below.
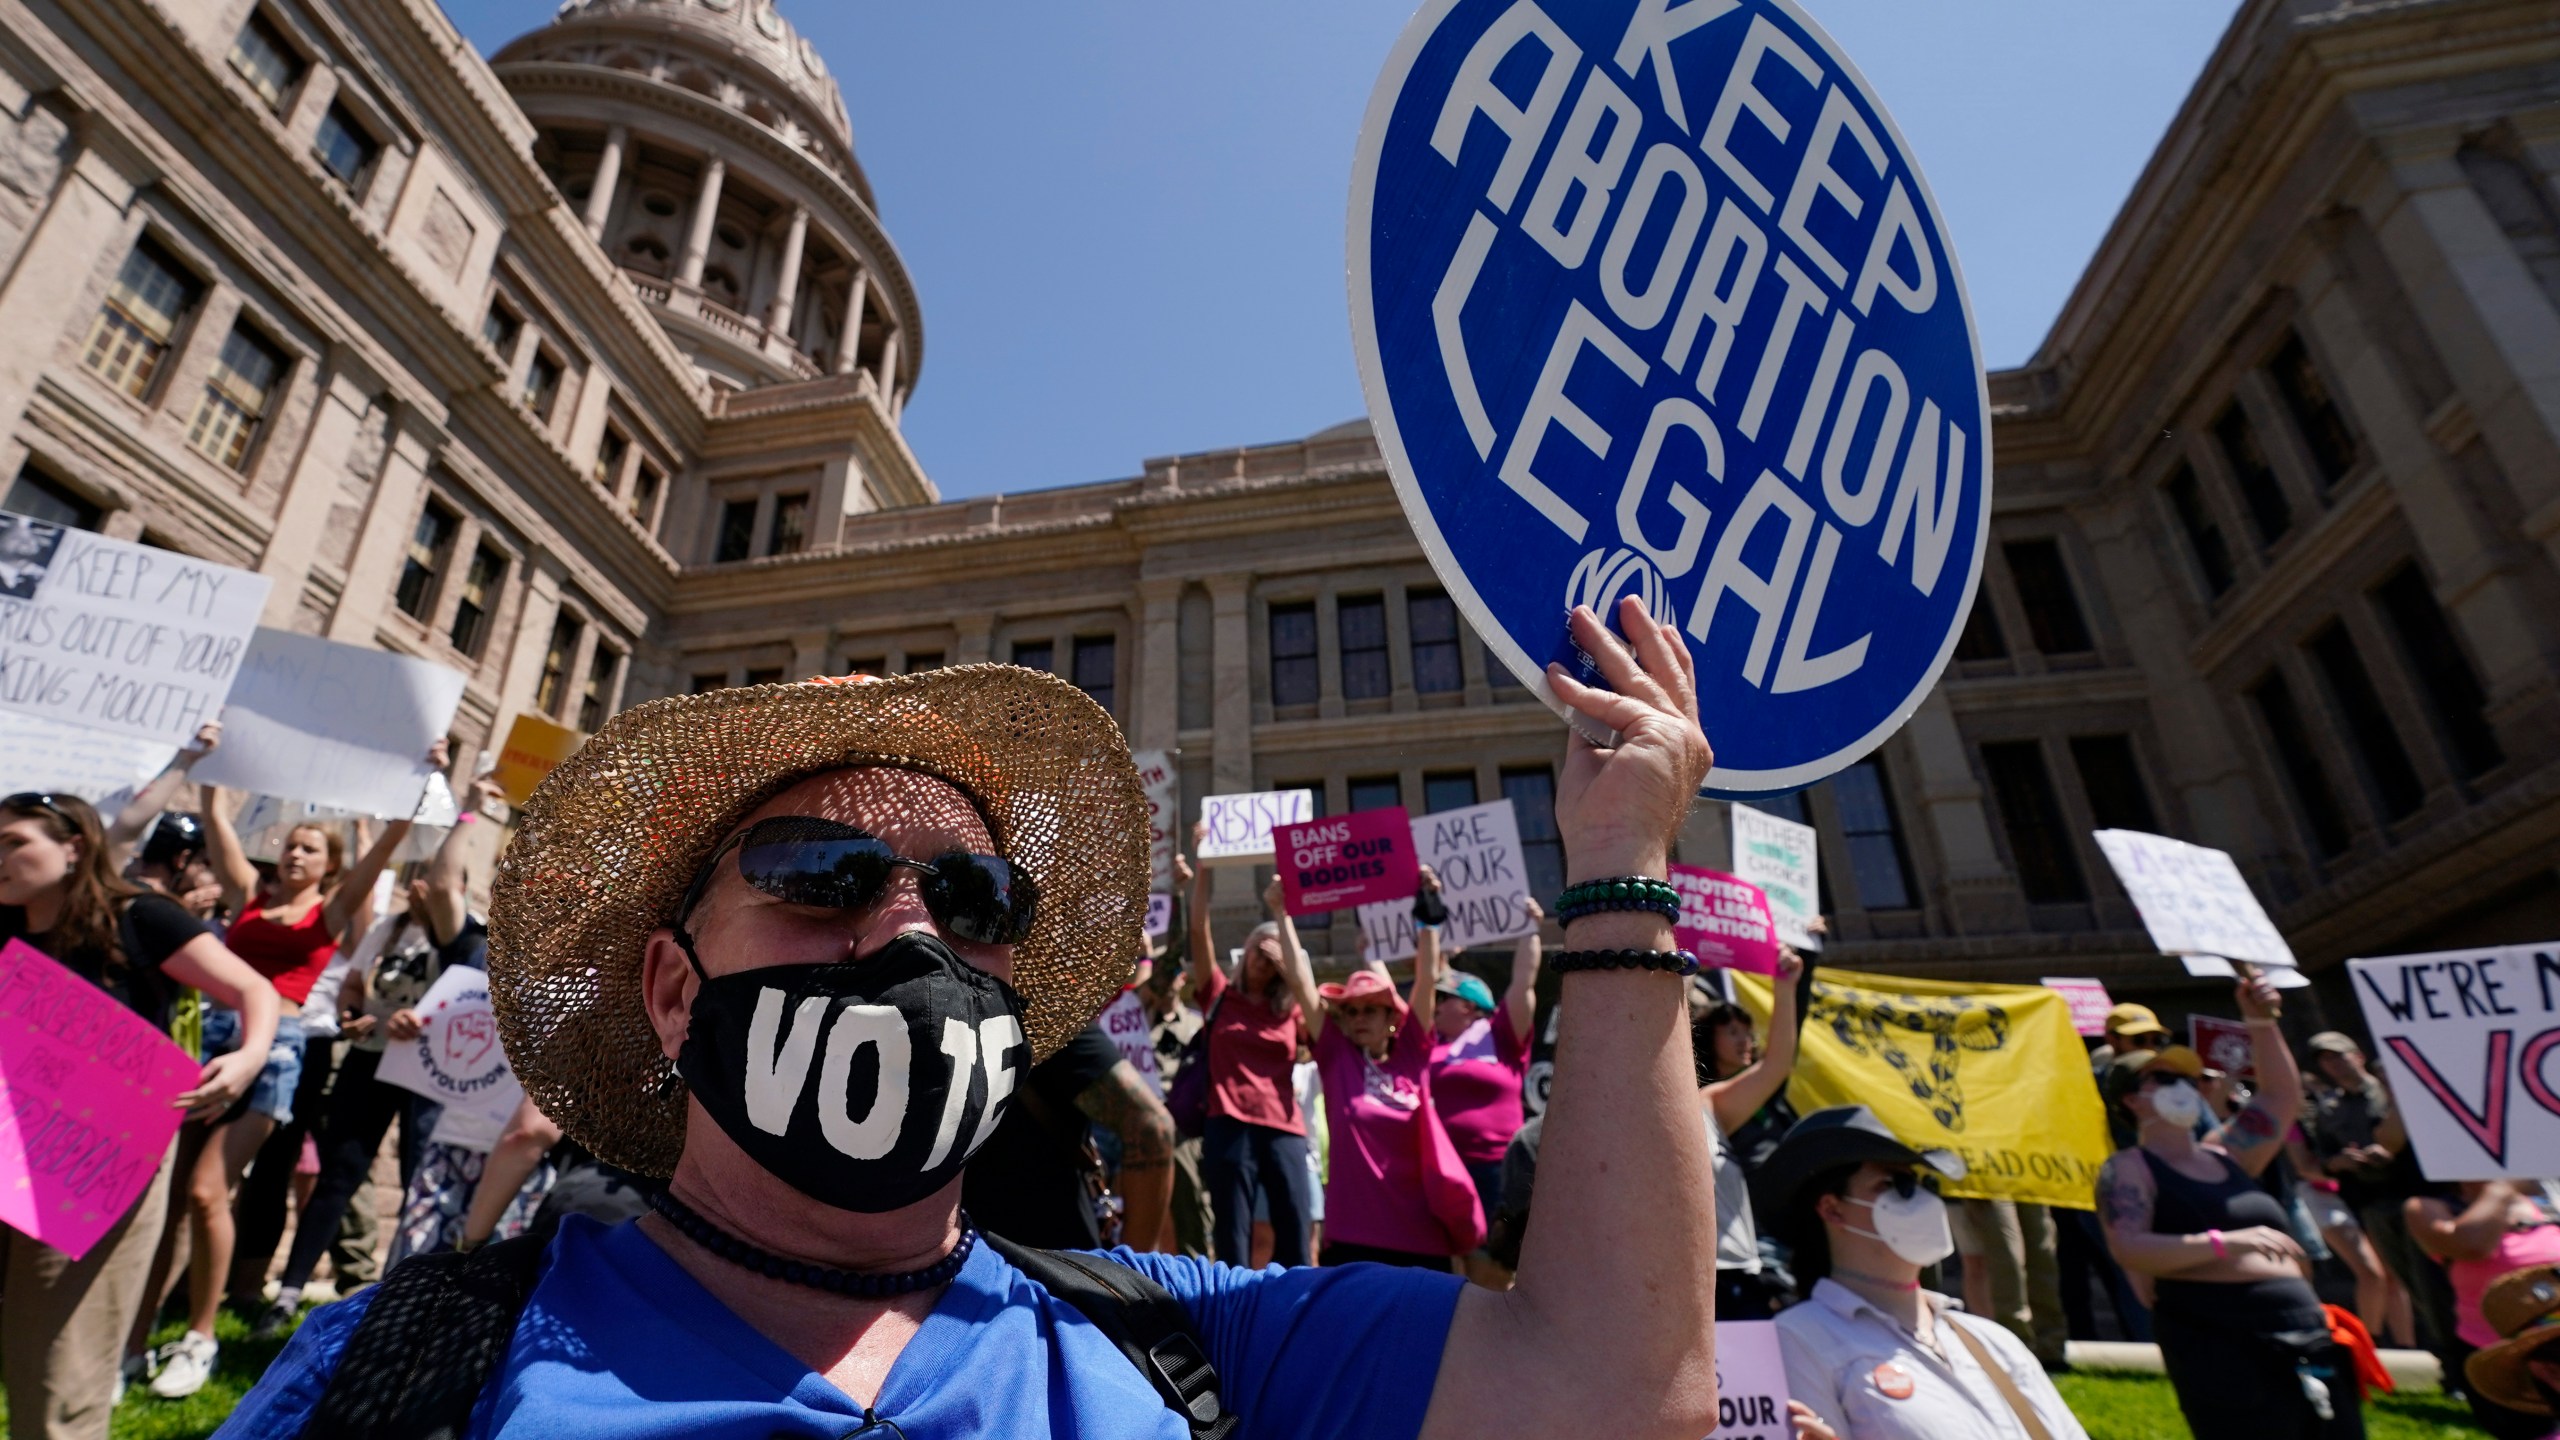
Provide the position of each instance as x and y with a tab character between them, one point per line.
1470	988
1361	985
610	841
1828	1139
2523	1306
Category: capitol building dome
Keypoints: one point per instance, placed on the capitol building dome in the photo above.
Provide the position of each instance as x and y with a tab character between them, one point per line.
707	150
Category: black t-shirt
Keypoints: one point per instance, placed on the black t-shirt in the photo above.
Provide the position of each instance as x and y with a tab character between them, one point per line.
1027	1183
155	927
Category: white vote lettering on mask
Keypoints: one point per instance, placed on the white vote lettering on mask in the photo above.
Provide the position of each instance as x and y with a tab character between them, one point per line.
778	1071
774	1080
876	1133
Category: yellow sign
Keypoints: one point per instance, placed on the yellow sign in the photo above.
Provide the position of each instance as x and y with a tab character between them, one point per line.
1995	1073
535	747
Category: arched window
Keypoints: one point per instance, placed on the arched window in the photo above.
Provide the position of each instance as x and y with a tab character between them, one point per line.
719	285
646	254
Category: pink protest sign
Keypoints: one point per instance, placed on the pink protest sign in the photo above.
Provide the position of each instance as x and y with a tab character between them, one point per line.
1725	921
2225	1045
85	1092
1364	858
2089	1003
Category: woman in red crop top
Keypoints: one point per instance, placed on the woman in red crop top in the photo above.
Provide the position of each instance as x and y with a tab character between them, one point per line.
287	929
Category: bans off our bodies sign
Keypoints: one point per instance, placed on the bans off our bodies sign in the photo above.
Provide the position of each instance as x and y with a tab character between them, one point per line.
2468	1037
1358	859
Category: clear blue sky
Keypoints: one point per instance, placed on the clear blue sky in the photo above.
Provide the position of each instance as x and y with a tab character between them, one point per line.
1125	217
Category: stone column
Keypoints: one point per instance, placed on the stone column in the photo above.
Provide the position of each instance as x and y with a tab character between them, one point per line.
786	285
1156	717
889	369
1983	896
302	512
706	209
973	639
375	571
532	638
608	176
1231	743
810	654
849	343
82	229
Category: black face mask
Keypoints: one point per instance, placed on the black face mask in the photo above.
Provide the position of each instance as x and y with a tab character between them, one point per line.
866	1084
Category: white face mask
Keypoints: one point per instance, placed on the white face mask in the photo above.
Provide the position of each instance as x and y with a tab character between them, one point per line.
2177	1103
1913	1227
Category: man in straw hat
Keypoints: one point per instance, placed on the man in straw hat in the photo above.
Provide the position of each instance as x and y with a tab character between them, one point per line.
2521	1373
791	947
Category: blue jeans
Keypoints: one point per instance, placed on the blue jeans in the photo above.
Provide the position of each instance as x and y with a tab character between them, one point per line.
271	1094
1241	1161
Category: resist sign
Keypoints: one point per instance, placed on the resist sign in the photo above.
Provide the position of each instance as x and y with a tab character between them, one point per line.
1240	826
1358	859
1724	921
1651	299
2469	1036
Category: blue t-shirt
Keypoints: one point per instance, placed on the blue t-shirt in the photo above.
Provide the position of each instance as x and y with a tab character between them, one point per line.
619	1341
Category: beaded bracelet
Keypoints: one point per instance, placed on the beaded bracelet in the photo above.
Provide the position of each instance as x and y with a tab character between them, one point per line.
1676	962
1626	893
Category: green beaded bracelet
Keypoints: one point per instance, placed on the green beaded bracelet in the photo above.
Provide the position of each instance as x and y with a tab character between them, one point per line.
1626	892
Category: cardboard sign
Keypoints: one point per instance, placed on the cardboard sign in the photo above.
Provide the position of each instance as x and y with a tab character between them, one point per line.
534	748
41	754
1751	1383
2224	1044
2193	899
1476	853
1240	826
86	1088
341	725
457	1061
2467	1038
1652	300
1358	859
1724	921
2089	1003
1159	914
110	635
1125	1021
1785	861
1162	787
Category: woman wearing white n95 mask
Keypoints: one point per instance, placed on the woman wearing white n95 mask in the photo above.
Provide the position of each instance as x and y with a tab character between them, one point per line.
1870	1355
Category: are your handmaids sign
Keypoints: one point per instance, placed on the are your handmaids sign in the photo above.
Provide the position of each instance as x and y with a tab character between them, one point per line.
1476	853
2467	1037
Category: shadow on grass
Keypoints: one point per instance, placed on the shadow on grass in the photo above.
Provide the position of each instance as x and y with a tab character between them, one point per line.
145	1416
2119	1406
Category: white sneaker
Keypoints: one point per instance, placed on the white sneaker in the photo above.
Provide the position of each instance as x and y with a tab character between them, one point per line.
186	1363
134	1367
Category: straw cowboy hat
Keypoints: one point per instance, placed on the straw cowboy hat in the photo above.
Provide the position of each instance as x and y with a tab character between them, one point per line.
607	846
2523	1306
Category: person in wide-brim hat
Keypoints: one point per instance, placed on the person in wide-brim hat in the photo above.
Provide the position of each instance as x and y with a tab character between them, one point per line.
1836	1138
2521	1371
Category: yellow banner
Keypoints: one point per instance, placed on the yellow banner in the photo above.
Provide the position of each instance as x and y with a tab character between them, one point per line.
1993	1072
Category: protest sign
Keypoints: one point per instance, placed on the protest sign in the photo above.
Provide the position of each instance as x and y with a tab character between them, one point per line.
2089	1003
85	1092
1159	914
1751	1383
1162	787
1359	859
342	725
2224	1044
2467	1038
534	748
1239	826
1724	921
37	753
110	635
1476	852
1783	449
2193	899
1993	1072
1784	859
1125	1021
457	1061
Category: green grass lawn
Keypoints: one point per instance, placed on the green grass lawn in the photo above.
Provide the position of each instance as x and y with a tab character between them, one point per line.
2141	1407
145	1416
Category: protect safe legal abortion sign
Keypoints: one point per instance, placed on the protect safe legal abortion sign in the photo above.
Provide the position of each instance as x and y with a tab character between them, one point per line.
2468	1038
1650	298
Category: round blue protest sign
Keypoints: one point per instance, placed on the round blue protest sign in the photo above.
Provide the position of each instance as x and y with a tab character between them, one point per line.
1650	299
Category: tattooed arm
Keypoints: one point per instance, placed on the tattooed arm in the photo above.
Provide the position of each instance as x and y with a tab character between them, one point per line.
2255	1136
2126	1196
1121	1103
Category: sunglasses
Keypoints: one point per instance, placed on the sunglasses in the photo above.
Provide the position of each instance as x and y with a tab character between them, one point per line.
31	800
804	860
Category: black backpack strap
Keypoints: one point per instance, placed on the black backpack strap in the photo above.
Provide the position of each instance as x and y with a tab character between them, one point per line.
1149	1325
430	1341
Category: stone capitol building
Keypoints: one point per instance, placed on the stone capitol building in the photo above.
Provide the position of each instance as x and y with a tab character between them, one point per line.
579	369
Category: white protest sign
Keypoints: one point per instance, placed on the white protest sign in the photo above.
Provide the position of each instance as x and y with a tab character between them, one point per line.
2193	898
1780	856
1476	853
1239	826
337	724
1125	1021
41	754
1159	914
2467	1036
1751	1382
457	1061
1156	779
116	636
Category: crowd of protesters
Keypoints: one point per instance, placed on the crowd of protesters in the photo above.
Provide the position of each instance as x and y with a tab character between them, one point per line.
1259	1117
